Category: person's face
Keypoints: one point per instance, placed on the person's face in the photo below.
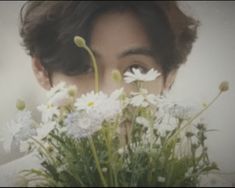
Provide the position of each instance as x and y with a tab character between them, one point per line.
118	41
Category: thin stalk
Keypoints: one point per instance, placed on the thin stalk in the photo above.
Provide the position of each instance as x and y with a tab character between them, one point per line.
196	116
97	162
45	150
94	64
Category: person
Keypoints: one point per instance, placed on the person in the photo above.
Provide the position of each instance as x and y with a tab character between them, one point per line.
123	35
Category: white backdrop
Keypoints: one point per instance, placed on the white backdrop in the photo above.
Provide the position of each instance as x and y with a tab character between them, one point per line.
211	61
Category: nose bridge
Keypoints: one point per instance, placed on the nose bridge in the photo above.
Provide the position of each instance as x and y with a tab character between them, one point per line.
107	84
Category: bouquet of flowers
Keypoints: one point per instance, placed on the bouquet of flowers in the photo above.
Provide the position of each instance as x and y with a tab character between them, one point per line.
134	139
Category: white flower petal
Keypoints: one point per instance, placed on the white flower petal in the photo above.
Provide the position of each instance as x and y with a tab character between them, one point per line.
44	130
59	87
143	121
136	75
137	100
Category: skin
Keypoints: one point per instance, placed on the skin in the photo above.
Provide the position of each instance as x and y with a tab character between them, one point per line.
118	41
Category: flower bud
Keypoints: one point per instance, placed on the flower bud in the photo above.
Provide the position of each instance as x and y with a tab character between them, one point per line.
72	91
79	41
224	86
116	75
20	104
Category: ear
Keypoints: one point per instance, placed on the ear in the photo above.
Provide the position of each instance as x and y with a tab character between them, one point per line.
40	73
170	78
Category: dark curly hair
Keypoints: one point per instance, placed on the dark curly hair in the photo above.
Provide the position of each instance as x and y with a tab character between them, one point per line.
48	28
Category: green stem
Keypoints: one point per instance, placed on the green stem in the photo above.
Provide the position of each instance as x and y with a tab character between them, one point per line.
45	150
108	141
97	162
94	64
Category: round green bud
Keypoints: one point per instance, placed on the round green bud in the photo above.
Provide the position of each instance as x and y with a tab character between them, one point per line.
116	75
72	91
20	104
79	41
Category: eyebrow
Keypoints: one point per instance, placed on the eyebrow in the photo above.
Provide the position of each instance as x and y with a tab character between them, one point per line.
132	51
136	51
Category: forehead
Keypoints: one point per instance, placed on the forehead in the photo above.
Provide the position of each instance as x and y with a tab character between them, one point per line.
114	32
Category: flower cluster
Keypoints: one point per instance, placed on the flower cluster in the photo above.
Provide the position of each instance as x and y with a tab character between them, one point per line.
134	139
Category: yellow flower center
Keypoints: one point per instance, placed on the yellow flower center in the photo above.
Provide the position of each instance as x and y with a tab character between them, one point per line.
90	104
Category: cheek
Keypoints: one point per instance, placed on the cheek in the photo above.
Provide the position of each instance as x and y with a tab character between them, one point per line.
154	87
85	84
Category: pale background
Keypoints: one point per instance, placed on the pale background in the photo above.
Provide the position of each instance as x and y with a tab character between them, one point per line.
211	61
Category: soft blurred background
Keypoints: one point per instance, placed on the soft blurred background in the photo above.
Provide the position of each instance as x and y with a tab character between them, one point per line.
211	61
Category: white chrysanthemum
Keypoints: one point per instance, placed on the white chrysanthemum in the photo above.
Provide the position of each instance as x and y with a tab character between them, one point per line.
24	146
180	111
59	87
142	121
90	101
44	130
79	125
109	109
164	123
19	129
137	75
142	98
8	133
48	112
61	98
99	106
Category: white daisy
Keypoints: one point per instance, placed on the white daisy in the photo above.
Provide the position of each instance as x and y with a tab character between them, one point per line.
17	130
48	112
182	112
142	98
179	109
90	100
164	123
24	146
8	133
44	130
142	121
80	125
101	107
61	98
137	75
108	110
59	87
